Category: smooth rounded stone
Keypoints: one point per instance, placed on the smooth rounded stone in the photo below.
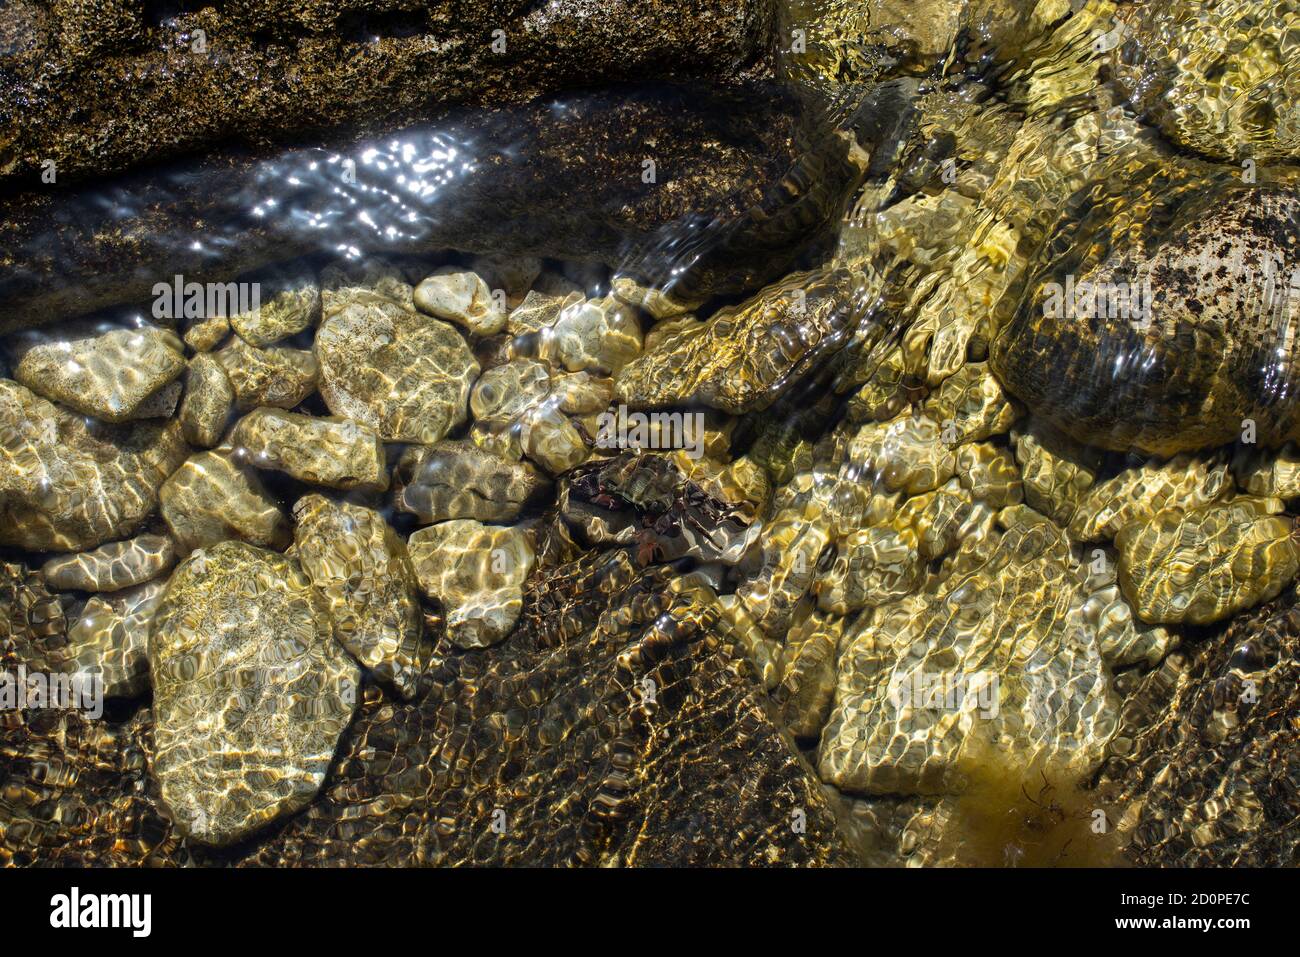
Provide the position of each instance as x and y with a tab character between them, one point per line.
461	296
763	652
991	659
514	275
1268	473
970	405
477	572
884	395
209	399
367	280
162	404
111	639
1208	363
872	565
113	566
789	548
404	375
288	305
333	452
744	357
1205	564
100	370
740	483
659	304
206	334
1056	471
601	335
1136	494
990	474
581	393
806	685
69	483
277	375
506	392
844	503
942	518
356	560
551	440
541	307
1216	78
211	498
1121	638
457	479
251	692
908	454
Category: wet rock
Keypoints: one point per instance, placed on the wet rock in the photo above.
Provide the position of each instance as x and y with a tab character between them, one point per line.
885	394
209	399
513	275
1203	564
461	296
931	681
908	454
68	483
360	565
333	452
990	473
477	571
506	392
288	305
1056	471
116	59
211	498
364	280
244	666
1206	361
1138	493
33	621
807	673
872	565
551	440
789	549
602	335
541	307
207	334
1268	473
659	304
456	479
114	566
276	376
99	370
111	639
1215	78
162	404
388	368
1199	772
970	405
744	357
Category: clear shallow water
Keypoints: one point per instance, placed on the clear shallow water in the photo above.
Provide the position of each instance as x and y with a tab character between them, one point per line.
959	536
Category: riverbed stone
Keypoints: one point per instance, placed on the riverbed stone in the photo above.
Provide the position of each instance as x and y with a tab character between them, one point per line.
211	498
356	560
457	479
251	691
333	452
477	572
110	640
387	367
100	370
113	566
69	483
463	297
277	375
209	399
289	303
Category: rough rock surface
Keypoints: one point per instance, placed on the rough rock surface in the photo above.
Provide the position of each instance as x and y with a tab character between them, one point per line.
289	303
209	400
457	479
111	639
114	73
278	375
211	498
333	452
393	370
477	571
103	371
1206	356
68	483
251	691
360	565
114	566
1202	770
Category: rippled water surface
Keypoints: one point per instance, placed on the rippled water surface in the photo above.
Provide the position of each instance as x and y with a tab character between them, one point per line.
918	423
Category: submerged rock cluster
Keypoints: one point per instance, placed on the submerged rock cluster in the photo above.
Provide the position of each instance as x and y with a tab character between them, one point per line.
514	559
